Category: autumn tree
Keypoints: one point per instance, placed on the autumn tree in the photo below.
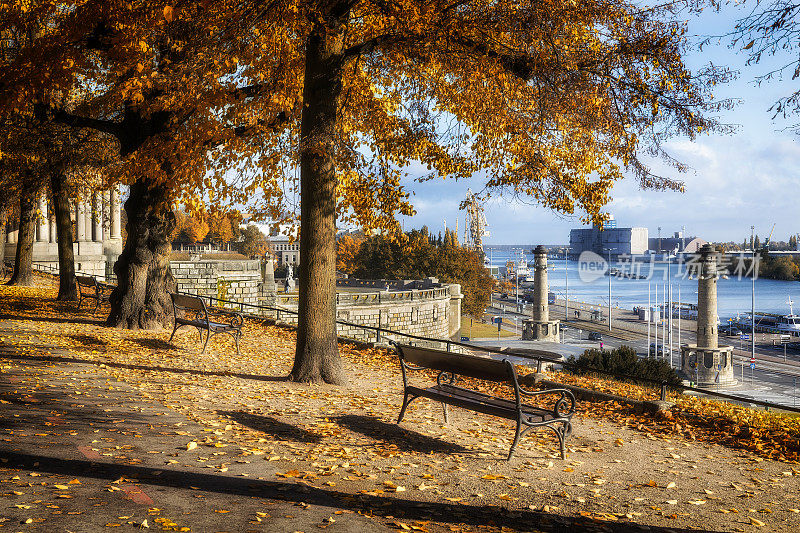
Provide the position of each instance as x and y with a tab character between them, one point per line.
347	248
253	242
551	100
165	92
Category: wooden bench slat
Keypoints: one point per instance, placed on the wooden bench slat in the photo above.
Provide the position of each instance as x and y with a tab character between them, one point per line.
464	365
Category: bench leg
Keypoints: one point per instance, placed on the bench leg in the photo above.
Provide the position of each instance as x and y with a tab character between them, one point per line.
236	340
208	337
174	329
407	399
562	431
446	417
516	440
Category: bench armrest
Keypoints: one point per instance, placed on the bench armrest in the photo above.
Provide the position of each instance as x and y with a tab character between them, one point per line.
564	406
236	319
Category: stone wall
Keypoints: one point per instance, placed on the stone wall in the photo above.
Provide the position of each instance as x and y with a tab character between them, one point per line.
237	281
434	312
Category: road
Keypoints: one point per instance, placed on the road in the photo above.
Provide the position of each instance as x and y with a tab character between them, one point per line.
772	379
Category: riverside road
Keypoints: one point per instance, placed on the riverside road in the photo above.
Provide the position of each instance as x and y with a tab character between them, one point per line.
772	380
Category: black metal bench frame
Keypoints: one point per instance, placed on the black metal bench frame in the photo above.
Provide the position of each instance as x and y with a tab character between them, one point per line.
188	310
453	366
91	289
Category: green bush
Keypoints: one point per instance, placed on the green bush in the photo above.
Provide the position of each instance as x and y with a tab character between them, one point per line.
624	360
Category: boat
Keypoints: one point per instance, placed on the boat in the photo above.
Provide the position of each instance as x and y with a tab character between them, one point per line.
769	322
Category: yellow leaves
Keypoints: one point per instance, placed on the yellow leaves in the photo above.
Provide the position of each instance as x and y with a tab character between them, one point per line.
756	522
168	13
191	446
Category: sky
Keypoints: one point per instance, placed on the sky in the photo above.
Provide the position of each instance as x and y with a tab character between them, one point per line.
738	180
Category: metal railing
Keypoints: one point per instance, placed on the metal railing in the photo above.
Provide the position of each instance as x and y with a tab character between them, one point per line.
544	357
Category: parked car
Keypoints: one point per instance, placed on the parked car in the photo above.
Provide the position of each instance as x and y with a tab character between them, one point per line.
731	331
595	336
657	350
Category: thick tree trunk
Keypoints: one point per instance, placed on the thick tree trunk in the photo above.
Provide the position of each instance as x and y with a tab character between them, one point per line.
3	219
317	353
141	298
67	289
23	264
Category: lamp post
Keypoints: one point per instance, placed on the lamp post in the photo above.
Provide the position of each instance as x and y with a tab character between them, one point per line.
753	298
566	286
609	288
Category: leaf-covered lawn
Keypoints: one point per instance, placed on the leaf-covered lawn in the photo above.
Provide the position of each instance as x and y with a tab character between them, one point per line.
702	465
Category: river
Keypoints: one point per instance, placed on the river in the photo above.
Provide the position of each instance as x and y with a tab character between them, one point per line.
734	293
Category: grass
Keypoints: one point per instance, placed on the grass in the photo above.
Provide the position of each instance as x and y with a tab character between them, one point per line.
480	330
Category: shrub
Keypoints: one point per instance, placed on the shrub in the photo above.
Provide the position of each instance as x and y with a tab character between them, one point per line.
623	360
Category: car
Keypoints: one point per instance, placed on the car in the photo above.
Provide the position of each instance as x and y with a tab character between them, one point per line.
657	350
595	336
731	331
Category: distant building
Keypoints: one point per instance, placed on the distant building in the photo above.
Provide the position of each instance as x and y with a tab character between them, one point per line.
676	243
287	253
620	241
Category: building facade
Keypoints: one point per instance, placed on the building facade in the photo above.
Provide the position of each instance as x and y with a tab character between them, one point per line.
97	230
286	252
620	241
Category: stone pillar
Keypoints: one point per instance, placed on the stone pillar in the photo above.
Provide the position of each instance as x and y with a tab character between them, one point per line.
97	217
53	237
707	363
541	310
114	208
707	299
42	222
80	221
540	327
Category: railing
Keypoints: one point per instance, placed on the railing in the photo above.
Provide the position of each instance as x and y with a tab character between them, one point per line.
541	358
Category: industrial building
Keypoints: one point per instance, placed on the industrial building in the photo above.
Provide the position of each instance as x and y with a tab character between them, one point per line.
619	241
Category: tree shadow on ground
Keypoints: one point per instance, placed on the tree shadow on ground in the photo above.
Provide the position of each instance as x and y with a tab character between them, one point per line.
404	439
9	352
154	344
386	506
273	427
54	319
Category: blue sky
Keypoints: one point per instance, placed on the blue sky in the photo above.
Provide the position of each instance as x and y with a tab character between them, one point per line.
737	180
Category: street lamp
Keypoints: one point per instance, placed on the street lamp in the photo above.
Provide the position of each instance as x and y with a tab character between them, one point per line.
609	290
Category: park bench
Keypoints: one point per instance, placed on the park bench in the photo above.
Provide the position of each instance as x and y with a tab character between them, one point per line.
191	310
91	289
448	390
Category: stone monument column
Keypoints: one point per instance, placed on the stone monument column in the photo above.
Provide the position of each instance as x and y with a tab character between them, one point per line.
115	217
97	217
42	222
707	363
80	221
540	327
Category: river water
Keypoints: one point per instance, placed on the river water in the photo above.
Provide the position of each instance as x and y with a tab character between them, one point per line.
734	293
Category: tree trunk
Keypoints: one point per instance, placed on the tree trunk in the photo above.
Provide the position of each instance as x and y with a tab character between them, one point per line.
67	289
3	218
23	264
317	352
141	298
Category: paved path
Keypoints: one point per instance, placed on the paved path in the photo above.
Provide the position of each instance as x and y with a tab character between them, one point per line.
82	452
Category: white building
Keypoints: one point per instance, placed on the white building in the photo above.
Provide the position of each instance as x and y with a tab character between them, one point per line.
288	253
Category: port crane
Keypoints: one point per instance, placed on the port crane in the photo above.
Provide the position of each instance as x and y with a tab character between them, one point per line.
475	228
769	238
